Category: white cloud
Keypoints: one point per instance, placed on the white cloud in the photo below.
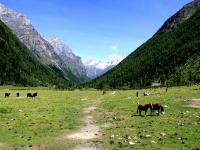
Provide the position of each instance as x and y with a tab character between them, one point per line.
114	47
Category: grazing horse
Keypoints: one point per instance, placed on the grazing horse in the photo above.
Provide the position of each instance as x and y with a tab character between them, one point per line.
29	95
7	95
158	107
144	107
35	94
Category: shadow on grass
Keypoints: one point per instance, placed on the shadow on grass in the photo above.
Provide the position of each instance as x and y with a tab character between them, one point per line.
5	110
137	115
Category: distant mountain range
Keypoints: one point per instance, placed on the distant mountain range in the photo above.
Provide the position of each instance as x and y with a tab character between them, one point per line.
171	56
52	52
97	68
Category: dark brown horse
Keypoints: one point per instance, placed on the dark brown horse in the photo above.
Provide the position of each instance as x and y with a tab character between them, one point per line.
144	107
157	107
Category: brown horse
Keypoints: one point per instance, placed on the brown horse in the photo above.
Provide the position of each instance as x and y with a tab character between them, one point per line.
158	107
144	107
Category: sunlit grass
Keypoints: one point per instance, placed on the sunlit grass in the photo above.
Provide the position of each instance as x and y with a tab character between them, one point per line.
42	121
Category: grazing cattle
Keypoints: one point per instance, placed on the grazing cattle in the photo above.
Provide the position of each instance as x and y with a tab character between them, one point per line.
157	107
146	94
7	94
104	92
29	95
143	107
17	94
137	94
35	94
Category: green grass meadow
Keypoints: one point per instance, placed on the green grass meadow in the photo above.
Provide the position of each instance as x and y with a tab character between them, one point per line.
41	122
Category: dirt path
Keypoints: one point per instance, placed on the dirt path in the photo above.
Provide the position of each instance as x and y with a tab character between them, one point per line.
2	146
88	132
195	103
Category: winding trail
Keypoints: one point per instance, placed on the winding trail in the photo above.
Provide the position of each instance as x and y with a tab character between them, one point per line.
88	132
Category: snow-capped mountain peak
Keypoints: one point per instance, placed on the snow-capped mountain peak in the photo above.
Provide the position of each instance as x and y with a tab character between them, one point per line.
97	64
97	68
115	60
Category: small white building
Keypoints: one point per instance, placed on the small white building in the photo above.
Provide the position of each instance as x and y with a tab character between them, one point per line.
156	84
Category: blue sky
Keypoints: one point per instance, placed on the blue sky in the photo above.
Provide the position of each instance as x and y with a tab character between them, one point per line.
98	29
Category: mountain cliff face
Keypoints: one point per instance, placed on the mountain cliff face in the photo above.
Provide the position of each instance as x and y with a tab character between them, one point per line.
182	15
171	55
41	48
18	66
73	62
27	34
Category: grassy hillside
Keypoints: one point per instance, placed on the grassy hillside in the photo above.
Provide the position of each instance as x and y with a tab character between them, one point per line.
177	129
45	121
19	67
171	56
27	121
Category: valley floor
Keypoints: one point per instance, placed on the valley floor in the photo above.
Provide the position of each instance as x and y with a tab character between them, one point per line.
88	120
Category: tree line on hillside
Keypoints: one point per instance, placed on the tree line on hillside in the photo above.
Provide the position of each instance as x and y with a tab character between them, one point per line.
18	66
171	57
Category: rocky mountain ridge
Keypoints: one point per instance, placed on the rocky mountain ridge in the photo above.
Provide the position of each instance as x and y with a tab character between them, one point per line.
178	18
40	47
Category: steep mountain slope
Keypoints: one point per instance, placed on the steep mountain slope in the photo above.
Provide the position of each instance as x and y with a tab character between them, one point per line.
41	48
73	62
18	66
170	55
182	15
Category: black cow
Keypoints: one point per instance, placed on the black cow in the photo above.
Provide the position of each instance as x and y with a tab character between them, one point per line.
137	94
29	95
7	94
104	92
35	94
17	94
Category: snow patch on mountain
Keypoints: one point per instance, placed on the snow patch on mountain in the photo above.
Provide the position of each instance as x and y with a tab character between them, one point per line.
97	68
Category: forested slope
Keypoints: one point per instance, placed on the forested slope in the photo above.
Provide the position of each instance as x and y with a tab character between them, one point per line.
19	67
171	56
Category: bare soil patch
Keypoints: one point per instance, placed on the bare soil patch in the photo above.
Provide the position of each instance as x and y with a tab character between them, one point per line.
88	132
195	103
89	109
2	146
21	97
88	146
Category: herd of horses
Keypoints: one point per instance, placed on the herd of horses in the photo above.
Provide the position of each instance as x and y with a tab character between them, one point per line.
28	95
152	106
